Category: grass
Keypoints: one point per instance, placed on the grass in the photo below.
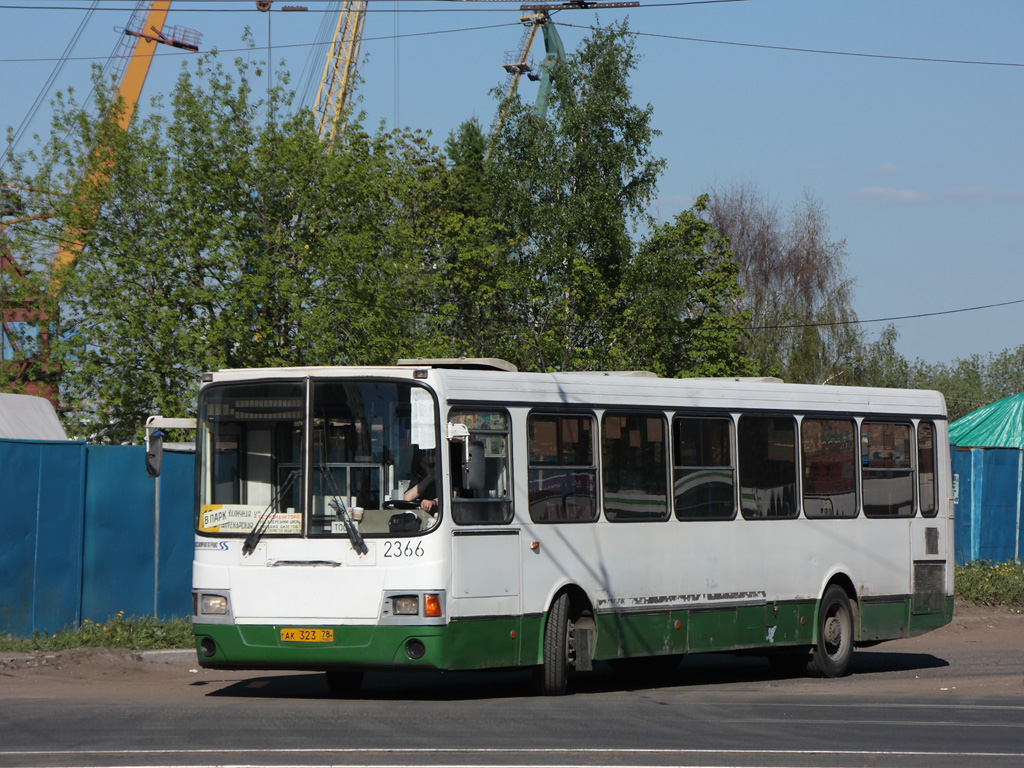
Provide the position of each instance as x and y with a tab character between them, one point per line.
138	633
987	583
996	584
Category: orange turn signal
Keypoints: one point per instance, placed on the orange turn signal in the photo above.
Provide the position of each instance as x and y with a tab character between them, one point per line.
431	606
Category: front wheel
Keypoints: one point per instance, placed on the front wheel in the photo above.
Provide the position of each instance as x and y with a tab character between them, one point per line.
834	648
551	678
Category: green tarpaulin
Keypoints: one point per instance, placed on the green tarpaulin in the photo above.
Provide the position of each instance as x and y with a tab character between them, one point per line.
998	425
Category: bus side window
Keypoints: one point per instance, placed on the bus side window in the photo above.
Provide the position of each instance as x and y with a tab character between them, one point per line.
704	477
563	470
767	450
887	473
926	477
634	457
829	467
488	430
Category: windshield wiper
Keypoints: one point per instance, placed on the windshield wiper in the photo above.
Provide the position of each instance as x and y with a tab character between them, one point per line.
346	519
249	545
340	510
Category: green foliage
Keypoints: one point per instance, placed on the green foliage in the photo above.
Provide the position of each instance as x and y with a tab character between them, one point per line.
677	294
971	382
568	188
225	238
967	383
987	583
570	193
26	301
139	633
219	232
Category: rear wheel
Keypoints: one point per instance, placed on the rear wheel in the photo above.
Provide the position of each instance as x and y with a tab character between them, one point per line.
344	682
551	677
834	649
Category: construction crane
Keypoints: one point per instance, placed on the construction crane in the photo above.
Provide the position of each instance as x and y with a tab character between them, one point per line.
142	35
518	64
339	78
131	61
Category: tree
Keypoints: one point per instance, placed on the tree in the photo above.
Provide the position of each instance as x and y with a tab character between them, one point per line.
974	381
570	193
880	365
801	321
678	292
228	237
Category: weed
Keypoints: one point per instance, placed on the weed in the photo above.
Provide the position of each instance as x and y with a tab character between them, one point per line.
139	633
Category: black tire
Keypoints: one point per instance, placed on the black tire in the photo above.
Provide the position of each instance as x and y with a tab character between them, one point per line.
834	647
551	678
344	682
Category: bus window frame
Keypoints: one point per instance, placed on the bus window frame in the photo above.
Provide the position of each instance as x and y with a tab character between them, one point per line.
205	440
855	424
666	427
595	466
792	417
911	469
454	468
733	466
930	423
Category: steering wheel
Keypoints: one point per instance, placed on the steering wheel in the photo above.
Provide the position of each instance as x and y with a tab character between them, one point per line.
399	504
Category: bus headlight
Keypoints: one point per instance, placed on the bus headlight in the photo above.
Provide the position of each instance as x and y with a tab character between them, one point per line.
405	605
215	605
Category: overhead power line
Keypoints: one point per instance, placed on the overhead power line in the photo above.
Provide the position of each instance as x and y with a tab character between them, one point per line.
278	47
462	8
886	319
818	51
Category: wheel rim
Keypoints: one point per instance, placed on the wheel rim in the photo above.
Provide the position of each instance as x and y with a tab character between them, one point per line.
835	631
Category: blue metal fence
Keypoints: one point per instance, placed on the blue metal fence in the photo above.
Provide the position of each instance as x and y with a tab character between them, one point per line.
82	536
990	487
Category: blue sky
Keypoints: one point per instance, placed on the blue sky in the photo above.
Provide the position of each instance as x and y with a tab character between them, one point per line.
917	163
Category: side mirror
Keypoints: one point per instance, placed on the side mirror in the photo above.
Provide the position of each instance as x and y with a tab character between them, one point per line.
154	452
473	469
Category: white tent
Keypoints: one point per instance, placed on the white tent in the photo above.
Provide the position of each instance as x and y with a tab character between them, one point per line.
25	417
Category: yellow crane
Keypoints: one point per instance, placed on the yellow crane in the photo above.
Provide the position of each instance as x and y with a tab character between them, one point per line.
146	27
135	61
339	78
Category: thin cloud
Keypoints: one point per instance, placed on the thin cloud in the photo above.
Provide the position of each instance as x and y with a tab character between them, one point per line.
891	196
890	168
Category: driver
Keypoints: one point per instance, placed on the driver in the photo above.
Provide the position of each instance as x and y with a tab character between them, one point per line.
424	490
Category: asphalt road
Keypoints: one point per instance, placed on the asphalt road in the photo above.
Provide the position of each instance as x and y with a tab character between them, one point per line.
951	698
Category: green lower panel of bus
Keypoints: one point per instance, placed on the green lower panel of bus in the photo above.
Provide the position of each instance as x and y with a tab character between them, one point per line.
766	626
466	644
704	630
515	641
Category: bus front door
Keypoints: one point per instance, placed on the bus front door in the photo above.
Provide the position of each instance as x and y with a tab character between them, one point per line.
486	611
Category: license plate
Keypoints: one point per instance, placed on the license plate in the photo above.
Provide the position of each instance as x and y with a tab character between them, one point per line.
300	635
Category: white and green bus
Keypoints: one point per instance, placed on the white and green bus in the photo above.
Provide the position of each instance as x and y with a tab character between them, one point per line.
461	515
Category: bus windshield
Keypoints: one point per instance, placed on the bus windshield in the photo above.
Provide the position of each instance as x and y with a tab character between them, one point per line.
296	458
